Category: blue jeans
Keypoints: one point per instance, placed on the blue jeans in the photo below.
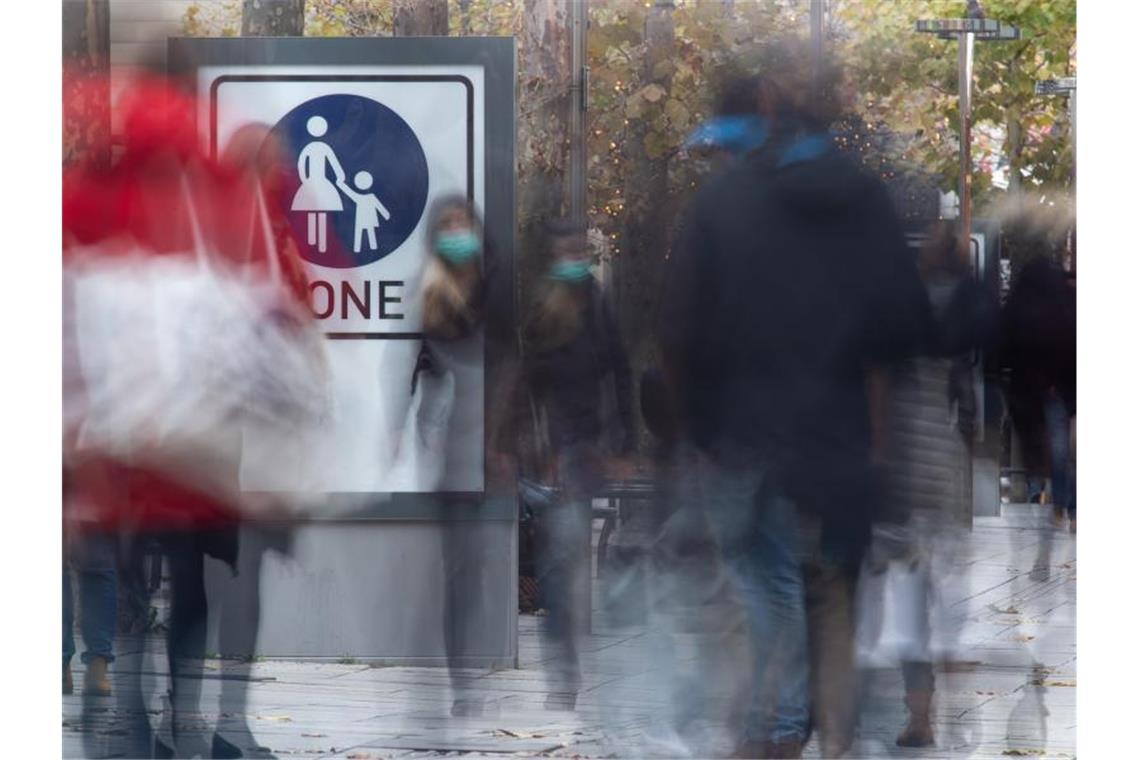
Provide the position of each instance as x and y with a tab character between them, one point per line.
1061	472
564	563
758	534
92	556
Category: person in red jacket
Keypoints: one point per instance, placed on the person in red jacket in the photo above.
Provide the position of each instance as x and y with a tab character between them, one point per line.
134	205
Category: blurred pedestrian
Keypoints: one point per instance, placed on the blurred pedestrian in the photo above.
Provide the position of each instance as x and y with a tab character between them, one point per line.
929	427
578	374
1039	348
459	294
163	198
789	275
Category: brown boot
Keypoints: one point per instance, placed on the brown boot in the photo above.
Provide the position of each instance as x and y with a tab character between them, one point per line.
763	750
68	684
918	732
785	749
95	681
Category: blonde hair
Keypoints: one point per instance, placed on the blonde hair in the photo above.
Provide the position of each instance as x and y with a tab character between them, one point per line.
448	311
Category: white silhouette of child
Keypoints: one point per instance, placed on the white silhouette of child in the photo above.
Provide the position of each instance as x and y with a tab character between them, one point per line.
369	209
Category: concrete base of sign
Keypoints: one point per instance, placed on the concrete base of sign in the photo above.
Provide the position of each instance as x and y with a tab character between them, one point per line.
377	591
987	487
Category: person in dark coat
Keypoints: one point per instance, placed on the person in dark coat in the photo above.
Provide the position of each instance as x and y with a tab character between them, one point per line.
1039	347
788	278
577	372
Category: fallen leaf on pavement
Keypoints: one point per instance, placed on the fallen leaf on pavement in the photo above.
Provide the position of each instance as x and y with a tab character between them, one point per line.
515	734
274	718
315	736
1060	683
1007	611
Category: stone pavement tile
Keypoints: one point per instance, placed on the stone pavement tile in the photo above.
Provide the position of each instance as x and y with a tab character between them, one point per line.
1013	691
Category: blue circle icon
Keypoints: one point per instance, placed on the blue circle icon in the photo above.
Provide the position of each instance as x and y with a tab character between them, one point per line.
354	181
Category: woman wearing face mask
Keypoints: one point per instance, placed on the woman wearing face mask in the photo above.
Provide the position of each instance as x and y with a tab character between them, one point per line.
453	285
448	372
467	336
574	353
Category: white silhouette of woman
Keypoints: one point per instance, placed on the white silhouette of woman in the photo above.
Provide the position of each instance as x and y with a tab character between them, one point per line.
317	195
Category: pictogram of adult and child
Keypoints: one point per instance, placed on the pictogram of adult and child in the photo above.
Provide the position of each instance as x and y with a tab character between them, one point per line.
319	197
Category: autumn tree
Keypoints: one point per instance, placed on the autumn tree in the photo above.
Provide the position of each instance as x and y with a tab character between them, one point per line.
272	18
411	18
908	81
86	85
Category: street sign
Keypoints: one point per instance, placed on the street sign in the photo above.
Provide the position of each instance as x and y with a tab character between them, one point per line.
981	28
369	132
1062	86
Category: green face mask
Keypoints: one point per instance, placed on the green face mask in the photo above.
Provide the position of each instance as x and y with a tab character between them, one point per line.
570	271
457	247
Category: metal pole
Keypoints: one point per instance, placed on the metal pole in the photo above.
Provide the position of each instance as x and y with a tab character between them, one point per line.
578	13
1073	137
965	80
816	42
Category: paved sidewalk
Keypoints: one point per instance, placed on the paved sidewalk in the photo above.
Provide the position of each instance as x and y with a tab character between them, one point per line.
1014	696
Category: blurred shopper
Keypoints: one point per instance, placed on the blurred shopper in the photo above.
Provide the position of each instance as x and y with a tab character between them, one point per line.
578	374
460	295
163	199
925	502
788	277
1039	348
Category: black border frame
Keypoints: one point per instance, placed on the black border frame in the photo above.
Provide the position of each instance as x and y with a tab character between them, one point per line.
468	86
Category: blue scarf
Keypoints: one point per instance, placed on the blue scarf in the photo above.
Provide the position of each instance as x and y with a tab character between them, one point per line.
806	148
735	134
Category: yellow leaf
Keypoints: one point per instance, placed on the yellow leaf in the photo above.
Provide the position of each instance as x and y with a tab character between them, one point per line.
652	92
676	111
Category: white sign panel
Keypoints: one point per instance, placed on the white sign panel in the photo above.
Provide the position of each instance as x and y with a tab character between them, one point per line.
366	150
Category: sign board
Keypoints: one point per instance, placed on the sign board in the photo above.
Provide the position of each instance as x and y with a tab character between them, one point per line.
369	133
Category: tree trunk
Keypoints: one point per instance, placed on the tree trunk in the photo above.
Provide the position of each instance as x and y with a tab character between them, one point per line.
465	18
272	18
544	102
1013	130
419	18
648	229
86	86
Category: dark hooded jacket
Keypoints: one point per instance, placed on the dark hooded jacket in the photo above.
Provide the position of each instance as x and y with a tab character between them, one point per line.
1039	347
788	277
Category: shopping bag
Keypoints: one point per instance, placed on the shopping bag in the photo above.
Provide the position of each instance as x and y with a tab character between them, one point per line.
289	396
179	354
892	622
421	454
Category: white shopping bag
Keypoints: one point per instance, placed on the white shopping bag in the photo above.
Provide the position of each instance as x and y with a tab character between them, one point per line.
892	623
178	354
421	454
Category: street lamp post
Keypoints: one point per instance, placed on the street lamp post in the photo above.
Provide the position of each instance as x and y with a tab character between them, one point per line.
973	27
